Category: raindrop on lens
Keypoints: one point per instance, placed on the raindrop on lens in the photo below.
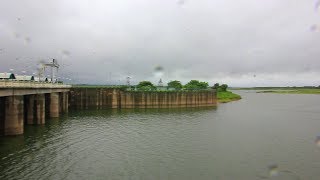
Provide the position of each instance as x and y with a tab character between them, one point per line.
158	69
16	35
317	141
27	40
314	28
65	52
181	2
273	170
317	5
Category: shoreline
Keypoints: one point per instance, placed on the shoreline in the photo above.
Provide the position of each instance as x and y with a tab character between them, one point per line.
228	100
228	96
283	90
290	92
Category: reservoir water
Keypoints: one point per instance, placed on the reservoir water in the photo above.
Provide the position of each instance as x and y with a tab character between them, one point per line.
262	136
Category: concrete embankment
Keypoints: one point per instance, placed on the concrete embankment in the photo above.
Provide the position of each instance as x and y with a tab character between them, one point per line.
104	98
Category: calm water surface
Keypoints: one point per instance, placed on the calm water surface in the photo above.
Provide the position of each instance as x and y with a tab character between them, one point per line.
238	140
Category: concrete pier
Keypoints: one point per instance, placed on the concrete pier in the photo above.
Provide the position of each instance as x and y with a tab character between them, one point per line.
54	105
65	102
29	103
115	99
30	113
2	114
40	109
35	106
14	115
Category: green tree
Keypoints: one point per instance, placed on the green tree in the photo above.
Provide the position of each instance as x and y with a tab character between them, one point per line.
175	84
216	85
224	87
146	86
195	85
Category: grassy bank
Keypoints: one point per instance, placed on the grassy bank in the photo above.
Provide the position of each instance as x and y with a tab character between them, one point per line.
284	90
224	97
292	91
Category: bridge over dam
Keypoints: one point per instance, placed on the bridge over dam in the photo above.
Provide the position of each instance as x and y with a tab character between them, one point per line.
30	103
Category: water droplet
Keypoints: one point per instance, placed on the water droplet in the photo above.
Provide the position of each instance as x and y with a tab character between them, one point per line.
273	170
65	52
158	71
317	141
16	35
317	5
27	40
314	28
181	2
158	68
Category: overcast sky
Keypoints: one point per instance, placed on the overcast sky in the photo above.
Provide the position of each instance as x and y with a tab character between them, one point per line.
238	42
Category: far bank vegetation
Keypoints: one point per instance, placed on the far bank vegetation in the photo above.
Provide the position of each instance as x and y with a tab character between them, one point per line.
223	94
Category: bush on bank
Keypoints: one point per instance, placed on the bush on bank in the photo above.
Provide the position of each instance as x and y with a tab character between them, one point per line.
227	96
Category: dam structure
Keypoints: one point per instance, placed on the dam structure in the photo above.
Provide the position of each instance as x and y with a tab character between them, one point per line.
30	102
104	98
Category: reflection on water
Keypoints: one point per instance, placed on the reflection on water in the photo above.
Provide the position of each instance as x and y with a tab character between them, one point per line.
238	140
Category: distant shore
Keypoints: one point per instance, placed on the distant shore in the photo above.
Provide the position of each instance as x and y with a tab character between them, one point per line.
298	91
284	90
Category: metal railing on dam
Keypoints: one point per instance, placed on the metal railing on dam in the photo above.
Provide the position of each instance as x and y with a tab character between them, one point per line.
31	84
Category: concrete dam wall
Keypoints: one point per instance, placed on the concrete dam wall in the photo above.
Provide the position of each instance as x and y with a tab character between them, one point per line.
104	98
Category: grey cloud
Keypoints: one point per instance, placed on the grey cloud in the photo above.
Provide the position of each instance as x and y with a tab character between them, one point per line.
243	43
